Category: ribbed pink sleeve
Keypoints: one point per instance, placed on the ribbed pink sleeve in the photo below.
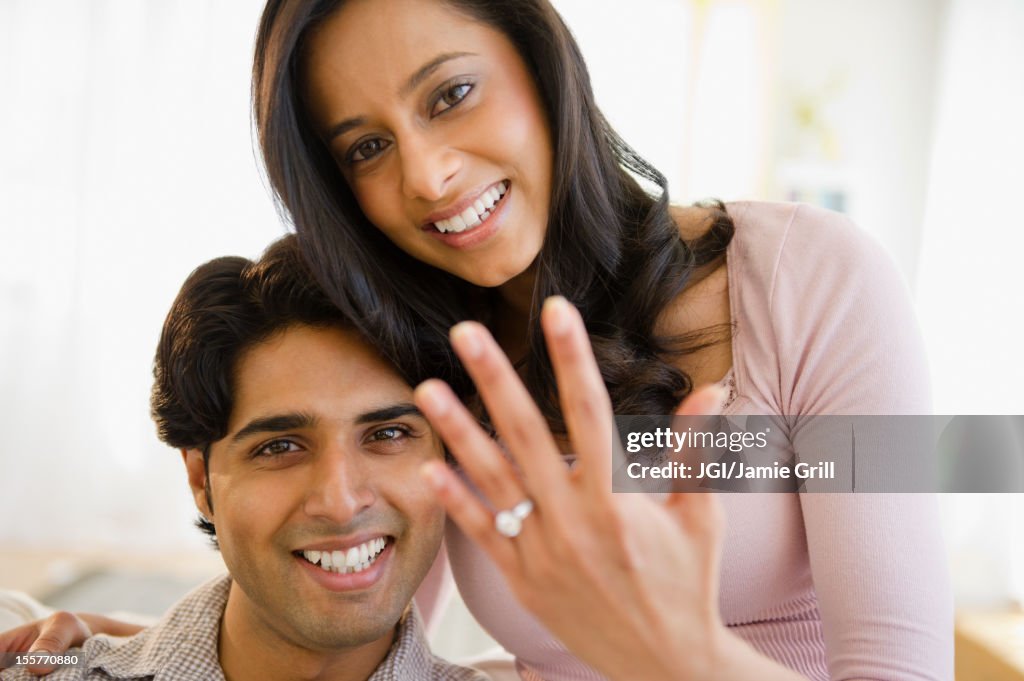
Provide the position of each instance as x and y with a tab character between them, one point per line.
839	336
435	591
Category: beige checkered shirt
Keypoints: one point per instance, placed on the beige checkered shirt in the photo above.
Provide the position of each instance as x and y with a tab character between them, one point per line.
182	646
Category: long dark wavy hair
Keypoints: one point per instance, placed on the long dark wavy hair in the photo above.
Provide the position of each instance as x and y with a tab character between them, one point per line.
611	246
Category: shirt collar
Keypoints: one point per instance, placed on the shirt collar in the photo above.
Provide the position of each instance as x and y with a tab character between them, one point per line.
184	643
410	653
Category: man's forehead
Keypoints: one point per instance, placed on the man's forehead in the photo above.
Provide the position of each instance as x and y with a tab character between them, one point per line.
318	371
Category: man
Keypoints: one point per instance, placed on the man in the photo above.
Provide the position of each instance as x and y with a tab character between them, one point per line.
302	448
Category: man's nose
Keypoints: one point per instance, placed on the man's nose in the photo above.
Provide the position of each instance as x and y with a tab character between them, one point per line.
428	167
339	487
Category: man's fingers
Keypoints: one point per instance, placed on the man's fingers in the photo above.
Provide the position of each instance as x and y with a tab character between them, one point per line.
18	640
57	633
40	669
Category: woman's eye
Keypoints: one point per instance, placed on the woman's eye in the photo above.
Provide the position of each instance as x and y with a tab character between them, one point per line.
276	448
367	149
451	97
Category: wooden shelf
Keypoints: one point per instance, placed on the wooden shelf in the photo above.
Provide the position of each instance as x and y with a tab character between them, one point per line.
990	646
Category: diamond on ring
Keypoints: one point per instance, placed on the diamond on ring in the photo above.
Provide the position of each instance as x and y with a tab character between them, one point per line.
509	523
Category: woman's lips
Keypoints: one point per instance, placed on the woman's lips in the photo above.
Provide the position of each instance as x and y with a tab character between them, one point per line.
480	233
469	211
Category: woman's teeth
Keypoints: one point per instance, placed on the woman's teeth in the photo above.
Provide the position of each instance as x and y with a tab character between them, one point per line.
475	214
355	559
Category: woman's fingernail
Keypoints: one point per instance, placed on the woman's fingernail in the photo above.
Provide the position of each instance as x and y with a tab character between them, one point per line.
466	340
428	395
557	310
432	473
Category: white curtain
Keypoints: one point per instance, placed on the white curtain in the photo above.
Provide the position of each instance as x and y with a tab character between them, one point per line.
126	161
684	83
971	274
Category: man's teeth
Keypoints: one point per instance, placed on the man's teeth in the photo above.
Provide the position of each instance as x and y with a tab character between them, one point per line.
475	214
355	559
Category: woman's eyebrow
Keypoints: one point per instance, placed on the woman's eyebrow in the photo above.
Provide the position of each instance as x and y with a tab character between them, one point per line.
424	71
414	80
343	127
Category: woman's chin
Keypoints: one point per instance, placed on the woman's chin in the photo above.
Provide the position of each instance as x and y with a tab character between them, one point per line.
513	278
491	274
489	279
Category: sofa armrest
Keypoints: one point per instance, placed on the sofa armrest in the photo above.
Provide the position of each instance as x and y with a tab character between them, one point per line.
17	608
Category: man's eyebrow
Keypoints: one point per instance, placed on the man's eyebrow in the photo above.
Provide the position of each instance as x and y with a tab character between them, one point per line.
415	79
389	412
277	423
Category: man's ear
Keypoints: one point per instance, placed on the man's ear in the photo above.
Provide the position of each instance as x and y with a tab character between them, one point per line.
195	466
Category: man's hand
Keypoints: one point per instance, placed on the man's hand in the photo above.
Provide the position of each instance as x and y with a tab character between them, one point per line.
55	634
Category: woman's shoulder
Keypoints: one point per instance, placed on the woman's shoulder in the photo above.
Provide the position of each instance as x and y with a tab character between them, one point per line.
780	247
790	260
767	232
808	240
816	296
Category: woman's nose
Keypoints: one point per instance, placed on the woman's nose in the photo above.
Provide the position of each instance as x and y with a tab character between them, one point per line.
427	168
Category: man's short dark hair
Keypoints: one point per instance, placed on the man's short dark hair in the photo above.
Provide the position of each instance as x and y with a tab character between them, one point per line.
224	308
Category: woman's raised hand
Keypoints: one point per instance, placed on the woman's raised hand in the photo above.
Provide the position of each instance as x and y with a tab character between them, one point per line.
627	582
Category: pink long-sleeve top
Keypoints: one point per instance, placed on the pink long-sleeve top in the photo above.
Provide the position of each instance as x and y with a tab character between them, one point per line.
834	586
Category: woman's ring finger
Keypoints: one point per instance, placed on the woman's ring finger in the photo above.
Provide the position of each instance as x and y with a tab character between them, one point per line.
509	523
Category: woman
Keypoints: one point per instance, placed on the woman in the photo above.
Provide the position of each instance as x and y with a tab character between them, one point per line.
445	161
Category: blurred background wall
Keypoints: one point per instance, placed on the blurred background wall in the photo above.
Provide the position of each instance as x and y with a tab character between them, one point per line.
126	159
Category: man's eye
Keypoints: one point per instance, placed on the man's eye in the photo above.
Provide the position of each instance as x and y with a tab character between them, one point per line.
276	448
390	433
367	149
451	97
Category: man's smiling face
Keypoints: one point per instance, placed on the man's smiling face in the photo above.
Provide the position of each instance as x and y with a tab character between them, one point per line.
321	463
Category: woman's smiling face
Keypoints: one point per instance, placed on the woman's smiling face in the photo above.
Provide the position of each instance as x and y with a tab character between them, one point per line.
438	128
